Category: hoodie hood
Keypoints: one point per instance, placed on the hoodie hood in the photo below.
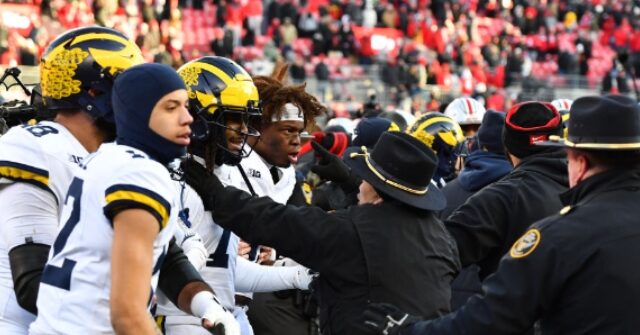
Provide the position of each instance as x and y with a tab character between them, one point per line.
482	168
551	163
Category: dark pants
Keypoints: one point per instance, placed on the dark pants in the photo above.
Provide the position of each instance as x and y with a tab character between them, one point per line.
271	315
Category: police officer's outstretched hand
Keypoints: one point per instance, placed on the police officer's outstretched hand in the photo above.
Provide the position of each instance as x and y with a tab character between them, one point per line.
330	166
387	319
206	184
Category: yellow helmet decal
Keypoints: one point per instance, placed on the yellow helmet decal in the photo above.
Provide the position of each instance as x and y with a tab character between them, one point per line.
425	138
238	92
451	137
57	72
190	77
116	61
393	127
206	100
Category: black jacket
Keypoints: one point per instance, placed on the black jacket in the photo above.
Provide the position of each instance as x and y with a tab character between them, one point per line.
579	276
481	168
490	221
384	252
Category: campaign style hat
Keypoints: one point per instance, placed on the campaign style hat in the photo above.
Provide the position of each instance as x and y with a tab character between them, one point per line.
400	166
611	122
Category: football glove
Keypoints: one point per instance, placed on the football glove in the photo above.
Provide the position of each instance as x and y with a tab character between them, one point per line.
205	306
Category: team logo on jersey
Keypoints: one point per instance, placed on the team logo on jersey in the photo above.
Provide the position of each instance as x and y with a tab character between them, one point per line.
254	173
526	244
75	159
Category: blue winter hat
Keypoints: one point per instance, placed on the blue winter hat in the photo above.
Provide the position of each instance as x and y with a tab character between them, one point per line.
369	130
135	92
490	132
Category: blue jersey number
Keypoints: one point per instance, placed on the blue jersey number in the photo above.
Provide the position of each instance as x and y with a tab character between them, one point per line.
220	258
61	276
40	130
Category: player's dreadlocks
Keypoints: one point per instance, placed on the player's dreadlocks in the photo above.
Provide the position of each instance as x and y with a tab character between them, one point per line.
275	93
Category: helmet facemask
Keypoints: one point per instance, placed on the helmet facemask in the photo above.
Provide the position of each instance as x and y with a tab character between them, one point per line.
214	128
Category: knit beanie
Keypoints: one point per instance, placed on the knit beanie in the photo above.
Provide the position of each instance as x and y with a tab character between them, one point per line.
528	123
369	130
135	93
490	132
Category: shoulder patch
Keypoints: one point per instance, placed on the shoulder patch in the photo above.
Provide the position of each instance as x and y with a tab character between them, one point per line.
526	244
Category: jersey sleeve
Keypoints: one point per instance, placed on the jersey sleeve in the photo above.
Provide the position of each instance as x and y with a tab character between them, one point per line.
145	187
22	159
28	215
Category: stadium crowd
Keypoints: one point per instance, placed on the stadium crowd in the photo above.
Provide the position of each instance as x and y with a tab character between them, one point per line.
470	45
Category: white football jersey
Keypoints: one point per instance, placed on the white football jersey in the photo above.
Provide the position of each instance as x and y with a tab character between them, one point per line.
257	172
222	246
75	285
45	155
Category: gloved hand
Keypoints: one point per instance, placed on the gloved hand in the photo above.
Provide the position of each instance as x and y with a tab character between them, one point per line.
304	277
386	319
206	184
214	317
330	166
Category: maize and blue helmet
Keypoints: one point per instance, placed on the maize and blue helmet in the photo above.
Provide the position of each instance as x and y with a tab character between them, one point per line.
444	136
78	68
220	89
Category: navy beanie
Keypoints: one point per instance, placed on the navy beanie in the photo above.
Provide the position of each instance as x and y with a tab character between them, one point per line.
490	132
135	93
369	130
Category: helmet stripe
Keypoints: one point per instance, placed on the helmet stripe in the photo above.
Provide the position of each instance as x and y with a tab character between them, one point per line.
469	106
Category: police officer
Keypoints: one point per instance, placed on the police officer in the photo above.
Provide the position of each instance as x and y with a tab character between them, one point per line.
389	247
574	271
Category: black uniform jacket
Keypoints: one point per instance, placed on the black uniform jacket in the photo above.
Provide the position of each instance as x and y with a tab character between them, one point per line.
577	271
386	252
488	223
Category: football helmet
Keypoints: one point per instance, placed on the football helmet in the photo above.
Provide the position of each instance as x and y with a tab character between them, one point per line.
220	91
465	111
77	69
563	106
444	136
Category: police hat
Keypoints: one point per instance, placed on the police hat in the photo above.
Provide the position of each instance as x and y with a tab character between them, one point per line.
611	122
401	166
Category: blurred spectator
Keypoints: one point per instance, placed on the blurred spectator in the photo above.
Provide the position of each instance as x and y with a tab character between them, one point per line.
163	56
103	10
616	80
222	44
4	37
322	76
307	25
288	32
297	71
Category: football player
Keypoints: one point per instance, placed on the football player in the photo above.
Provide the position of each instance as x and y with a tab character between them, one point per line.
113	249
269	171
224	100
37	161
